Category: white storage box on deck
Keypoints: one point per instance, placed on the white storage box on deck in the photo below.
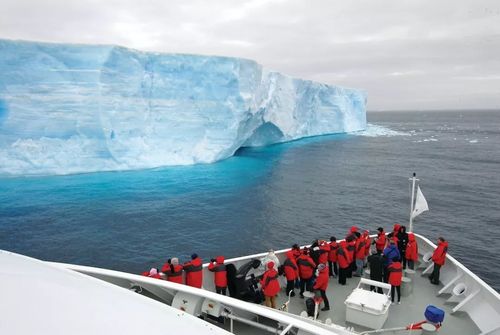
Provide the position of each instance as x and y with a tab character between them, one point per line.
367	308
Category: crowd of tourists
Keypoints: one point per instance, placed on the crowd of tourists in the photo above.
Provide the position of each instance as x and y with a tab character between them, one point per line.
310	268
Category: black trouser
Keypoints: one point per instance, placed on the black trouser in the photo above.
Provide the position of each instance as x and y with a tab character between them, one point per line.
386	274
333	268
398	289
403	260
350	269
305	283
220	290
372	288
325	299
342	276
411	264
434	277
290	285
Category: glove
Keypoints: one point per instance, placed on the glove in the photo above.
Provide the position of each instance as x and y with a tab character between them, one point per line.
212	260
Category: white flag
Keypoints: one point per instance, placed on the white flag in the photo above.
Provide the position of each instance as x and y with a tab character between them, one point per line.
420	204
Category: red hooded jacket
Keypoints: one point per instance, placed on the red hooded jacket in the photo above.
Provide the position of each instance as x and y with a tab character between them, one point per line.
269	282
343	257
411	252
220	274
290	266
360	248
322	280
306	266
439	255
395	273
147	274
332	256
380	242
324	250
173	272
368	243
194	273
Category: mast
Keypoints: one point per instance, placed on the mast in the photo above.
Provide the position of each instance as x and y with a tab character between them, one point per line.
413	180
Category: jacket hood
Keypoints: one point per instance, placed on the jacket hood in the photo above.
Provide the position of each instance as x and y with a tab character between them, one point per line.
219	259
411	237
289	254
396	227
444	244
196	261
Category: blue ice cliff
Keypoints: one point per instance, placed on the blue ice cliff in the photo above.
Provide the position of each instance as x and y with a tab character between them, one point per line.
83	108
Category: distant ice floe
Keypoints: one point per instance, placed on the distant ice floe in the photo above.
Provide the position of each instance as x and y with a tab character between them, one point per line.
473	141
373	130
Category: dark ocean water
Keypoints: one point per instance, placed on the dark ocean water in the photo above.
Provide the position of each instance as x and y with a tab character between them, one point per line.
273	197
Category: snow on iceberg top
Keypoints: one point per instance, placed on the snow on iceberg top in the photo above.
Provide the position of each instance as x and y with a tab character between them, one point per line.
80	108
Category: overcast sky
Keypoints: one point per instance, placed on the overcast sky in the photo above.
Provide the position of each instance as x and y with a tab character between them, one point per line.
419	54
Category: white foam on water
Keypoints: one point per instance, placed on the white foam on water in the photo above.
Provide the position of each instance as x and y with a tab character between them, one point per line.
373	130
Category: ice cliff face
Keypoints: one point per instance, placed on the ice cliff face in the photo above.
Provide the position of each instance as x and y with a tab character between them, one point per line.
82	108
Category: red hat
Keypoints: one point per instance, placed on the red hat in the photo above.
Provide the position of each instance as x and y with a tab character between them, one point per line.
354	229
270	265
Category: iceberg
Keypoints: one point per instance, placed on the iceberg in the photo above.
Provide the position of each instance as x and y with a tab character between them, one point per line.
68	108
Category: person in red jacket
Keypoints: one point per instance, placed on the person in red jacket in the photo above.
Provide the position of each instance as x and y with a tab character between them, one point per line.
360	255
411	252
381	240
332	257
306	271
291	272
368	243
344	261
394	233
220	275
351	250
194	271
324	250
322	284
395	270
173	270
296	251
438	257
153	273
270	285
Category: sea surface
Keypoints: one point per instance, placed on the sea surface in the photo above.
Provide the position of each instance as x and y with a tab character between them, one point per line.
272	197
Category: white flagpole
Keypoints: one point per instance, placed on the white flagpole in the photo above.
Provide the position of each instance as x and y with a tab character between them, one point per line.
413	180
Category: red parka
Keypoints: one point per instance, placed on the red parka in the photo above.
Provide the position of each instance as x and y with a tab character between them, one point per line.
368	243
332	256
322	280
439	255
173	272
324	250
343	258
380	242
351	249
411	252
360	248
269	282
306	266
219	270
395	273
290	266
194	273
148	274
